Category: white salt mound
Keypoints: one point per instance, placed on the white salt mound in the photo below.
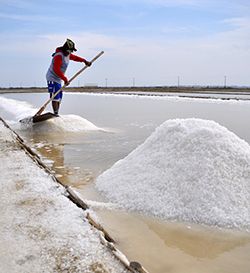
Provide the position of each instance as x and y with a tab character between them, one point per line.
67	123
189	170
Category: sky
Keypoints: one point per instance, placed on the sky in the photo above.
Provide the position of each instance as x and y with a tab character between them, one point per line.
146	42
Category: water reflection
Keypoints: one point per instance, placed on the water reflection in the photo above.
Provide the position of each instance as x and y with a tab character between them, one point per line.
198	242
67	174
177	247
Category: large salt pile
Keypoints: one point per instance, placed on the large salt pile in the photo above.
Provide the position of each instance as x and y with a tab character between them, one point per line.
189	170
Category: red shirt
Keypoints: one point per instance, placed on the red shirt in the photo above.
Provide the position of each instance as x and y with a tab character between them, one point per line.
58	63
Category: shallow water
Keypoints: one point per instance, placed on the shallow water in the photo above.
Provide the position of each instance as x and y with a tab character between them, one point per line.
79	157
176	247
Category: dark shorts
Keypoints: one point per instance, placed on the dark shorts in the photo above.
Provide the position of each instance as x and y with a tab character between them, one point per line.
53	87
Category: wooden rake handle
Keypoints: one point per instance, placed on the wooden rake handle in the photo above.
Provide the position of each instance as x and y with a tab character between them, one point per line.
77	74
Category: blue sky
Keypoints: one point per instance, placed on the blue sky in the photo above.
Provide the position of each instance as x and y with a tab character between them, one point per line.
146	42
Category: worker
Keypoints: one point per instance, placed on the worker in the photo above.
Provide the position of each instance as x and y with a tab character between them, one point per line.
57	69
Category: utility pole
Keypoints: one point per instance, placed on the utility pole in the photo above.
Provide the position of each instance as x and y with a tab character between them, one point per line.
133	82
106	82
225	81
178	81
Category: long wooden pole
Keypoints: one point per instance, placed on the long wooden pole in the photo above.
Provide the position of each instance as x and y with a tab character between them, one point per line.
77	74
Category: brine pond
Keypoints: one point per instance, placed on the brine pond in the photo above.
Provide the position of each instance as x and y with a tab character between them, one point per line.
97	130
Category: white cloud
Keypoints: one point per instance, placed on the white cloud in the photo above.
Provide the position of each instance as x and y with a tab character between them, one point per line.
25	17
24	4
178	2
238	22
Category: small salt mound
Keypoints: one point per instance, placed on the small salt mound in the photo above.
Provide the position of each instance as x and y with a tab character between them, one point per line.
189	170
63	124
66	123
73	123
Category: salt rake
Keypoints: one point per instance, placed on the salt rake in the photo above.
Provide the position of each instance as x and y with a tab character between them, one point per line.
38	117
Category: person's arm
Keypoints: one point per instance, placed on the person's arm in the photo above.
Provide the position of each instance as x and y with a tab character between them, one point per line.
57	68
79	59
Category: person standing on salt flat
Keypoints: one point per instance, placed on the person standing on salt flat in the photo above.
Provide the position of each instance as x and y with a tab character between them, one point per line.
57	69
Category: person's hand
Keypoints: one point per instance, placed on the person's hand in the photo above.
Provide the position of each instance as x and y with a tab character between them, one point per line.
88	63
66	82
